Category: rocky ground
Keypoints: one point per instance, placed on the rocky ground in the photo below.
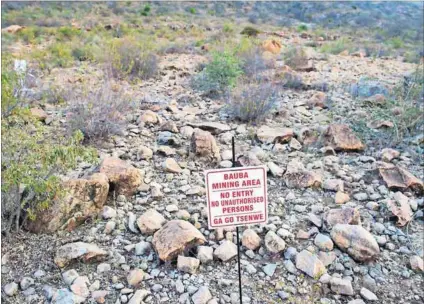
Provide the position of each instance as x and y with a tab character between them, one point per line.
345	217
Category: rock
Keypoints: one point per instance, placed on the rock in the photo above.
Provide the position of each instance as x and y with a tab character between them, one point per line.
168	138
248	160
202	296
368	295
83	198
341	286
274	135
416	263
366	88
310	264
388	154
143	248
80	288
341	198
342	216
400	208
124	177
323	242
169	126
203	143
166	150
131	222
150	221
341	138
170	165
108	212
85	252
274	243
175	237
186	131
26	282
139	296
100	295
187	264
318	100
149	117
297	177
356	241
135	276
273	46
103	267
205	254
327	258
64	295
69	276
317	221
295	144
10	289
144	153
109	227
274	169
214	128
357	301
333	185
250	239
226	251
398	178
269	269
13	29
39	114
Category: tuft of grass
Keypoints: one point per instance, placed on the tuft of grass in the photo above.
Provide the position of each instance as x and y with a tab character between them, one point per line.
295	57
336	47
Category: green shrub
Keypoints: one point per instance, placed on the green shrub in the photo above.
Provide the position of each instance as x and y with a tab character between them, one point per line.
228	28
146	10
67	33
61	55
250	31
302	28
132	58
396	42
31	160
220	74
336	47
192	10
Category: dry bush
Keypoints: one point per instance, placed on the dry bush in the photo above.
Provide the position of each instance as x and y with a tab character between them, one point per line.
99	114
295	57
252	101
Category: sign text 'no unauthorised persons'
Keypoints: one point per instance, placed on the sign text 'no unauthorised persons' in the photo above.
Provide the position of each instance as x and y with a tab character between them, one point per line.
236	196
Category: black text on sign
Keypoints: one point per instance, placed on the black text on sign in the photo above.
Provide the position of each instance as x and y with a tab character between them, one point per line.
236	196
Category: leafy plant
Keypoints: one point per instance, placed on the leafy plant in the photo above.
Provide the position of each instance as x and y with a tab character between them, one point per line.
146	10
219	74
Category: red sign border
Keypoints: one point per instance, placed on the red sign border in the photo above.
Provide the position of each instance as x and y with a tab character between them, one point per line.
233	170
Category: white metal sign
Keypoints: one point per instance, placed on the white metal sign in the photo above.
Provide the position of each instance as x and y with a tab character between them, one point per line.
236	196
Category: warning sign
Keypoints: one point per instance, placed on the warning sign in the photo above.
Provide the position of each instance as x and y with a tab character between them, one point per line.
236	196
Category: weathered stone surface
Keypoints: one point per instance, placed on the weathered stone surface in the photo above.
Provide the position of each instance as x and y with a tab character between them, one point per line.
273	242
202	296
205	254
80	288
323	242
203	143
10	289
416	263
99	295
170	165
139	296
174	237
64	295
124	177
341	286
149	117
144	153
226	251
342	216
273	46
85	252
400	208
214	128
188	264
69	276
368	294
135	277
310	264
150	221
398	178
297	176
169	126
356	241
13	29
274	135
39	114
388	154
341	198
251	239
341	138
83	198
318	100
275	169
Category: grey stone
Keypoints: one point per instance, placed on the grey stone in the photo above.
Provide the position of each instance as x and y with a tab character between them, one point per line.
202	296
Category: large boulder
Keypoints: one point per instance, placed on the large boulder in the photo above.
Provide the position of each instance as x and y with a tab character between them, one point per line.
203	143
341	138
274	135
297	176
397	178
84	252
342	216
175	237
82	198
356	241
124	178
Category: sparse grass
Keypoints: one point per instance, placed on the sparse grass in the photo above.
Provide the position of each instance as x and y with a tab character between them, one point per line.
336	47
295	57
